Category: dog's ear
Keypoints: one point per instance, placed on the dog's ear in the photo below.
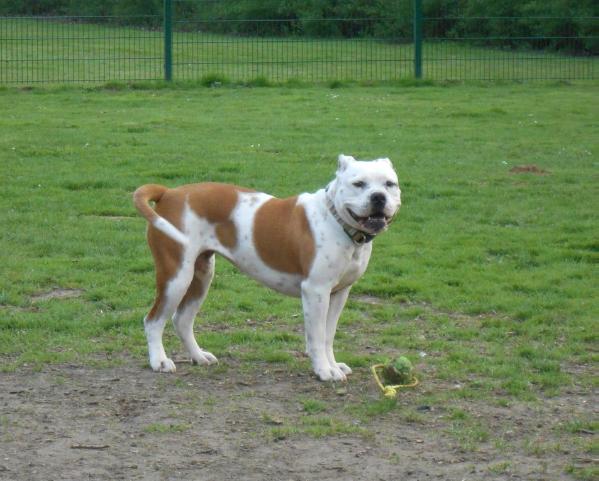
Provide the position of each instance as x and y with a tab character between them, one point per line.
343	162
387	161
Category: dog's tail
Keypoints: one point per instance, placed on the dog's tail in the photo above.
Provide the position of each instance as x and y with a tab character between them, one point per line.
153	193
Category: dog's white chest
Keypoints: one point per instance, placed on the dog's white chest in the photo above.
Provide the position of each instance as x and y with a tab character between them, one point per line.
355	267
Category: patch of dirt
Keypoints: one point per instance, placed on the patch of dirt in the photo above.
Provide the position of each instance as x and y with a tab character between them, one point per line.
367	299
19	308
77	423
111	217
428	308
528	169
57	293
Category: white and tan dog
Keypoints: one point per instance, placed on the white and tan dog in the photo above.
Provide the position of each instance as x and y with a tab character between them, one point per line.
313	246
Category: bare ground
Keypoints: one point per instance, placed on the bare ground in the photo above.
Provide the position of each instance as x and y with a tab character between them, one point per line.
77	422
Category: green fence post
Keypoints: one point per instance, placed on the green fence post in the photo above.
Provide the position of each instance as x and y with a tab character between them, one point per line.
418	38
168	40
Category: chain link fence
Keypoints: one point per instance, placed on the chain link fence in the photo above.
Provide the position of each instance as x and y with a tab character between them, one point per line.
272	41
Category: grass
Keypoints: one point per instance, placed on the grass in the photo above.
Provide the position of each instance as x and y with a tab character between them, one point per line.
500	468
489	275
313	406
43	50
468	433
317	427
166	428
486	281
583	473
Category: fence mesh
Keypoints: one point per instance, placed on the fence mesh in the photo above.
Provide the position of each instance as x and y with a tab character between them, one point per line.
219	39
455	49
77	49
216	40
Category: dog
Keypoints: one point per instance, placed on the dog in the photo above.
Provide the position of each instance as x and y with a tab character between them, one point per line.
313	246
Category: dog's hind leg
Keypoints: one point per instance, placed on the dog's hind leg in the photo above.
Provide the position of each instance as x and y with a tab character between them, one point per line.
173	278
190	305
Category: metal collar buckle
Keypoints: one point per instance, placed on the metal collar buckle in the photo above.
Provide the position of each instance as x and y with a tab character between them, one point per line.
360	237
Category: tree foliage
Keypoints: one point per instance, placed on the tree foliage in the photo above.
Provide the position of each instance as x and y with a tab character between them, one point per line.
543	24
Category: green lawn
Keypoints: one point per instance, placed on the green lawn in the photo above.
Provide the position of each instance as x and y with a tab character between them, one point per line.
42	50
492	274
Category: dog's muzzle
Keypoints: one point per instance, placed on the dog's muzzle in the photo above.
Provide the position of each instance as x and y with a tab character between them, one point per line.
377	220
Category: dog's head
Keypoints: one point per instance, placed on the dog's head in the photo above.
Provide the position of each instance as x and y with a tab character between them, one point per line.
366	194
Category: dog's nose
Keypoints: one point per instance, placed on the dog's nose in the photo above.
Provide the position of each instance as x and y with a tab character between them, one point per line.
378	199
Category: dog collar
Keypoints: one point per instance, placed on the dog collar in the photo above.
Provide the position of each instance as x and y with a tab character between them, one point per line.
357	236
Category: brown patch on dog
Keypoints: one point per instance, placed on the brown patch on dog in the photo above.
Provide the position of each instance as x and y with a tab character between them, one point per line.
211	201
283	237
167	252
199	283
168	255
528	169
227	234
215	202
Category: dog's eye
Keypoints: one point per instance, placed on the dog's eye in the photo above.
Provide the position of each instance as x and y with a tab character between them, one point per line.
390	184
359	184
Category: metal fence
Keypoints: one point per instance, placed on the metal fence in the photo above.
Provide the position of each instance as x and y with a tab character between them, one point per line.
198	39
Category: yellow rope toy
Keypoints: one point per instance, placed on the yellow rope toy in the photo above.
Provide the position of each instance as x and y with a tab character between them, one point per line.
390	391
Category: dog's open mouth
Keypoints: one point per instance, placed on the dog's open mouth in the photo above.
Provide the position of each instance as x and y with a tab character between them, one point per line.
375	222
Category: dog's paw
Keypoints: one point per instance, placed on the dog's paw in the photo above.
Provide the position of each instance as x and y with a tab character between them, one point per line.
329	373
163	365
345	369
203	358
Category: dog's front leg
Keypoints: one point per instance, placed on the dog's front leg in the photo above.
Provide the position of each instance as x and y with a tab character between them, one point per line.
315	301
336	304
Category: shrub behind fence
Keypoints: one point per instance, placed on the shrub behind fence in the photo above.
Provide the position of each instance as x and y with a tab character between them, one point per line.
63	41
